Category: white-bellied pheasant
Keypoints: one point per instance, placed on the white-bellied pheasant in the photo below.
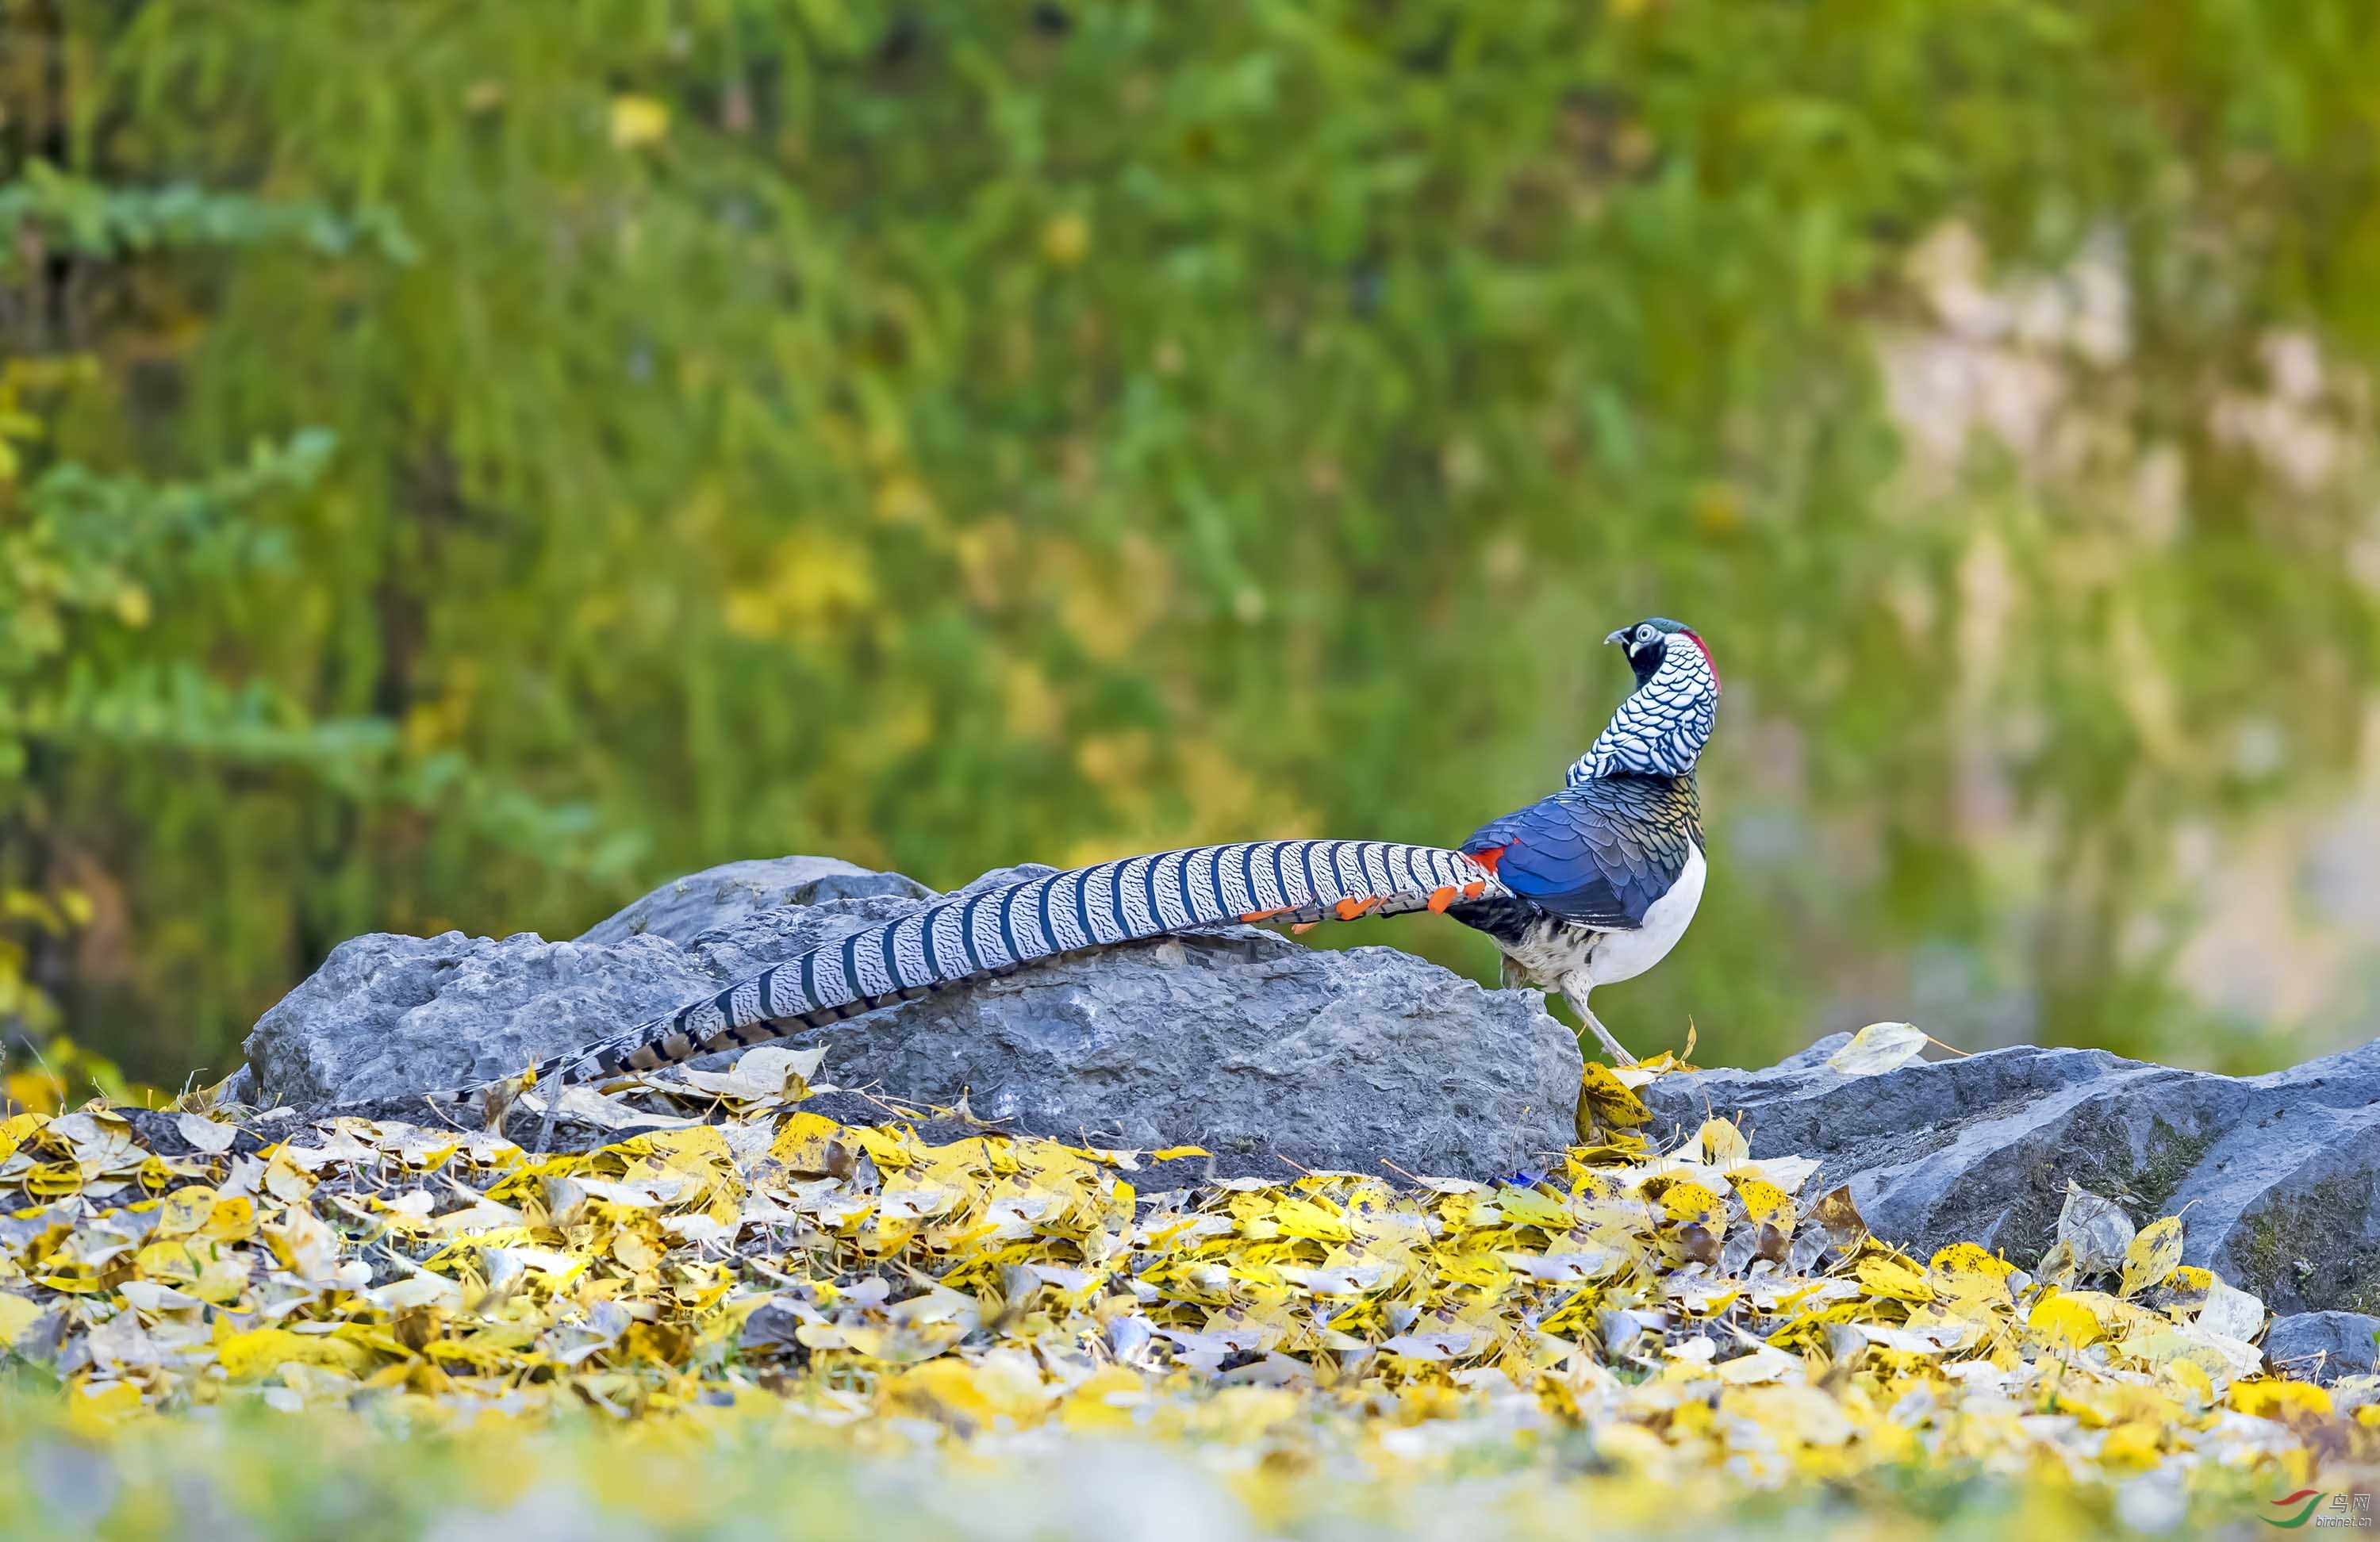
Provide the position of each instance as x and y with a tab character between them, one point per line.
1591	885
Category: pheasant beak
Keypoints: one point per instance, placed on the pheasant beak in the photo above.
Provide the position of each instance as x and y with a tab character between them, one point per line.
1621	636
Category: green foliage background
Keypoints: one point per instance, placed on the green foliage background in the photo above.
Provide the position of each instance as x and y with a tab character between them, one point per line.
467	464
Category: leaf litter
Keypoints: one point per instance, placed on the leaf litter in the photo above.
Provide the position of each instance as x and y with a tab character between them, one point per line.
1685	1310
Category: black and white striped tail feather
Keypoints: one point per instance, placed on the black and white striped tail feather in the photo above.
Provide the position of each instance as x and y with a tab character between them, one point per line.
976	936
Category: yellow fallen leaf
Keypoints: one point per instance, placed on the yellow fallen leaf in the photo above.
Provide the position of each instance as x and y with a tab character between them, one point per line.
285	1180
1675	1299
1300	1217
2151	1255
1764	1201
634	1253
1893	1278
73	1280
53	1180
222	1282
2190	1376
166	1260
1690	1202
93	1410
1603	1098
884	1147
2279	1399
15	1128
808	1144
1103	1401
1966	1257
17	1314
2063	1321
231	1219
1723	1142
259	1352
1528	1208
2132	1446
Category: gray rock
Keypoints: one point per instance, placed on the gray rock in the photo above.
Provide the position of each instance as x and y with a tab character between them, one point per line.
685	908
1240	1040
742	945
1245	1042
1817	1053
2324	1346
2275	1177
388	1014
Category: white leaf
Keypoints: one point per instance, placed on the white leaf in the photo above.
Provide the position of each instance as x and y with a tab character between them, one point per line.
1428	1346
579	1101
643	1194
420	1289
150	1296
1787	1172
546	1261
2230	1312
760	1074
2097	1229
1876	1047
1763	1363
697	1228
203	1134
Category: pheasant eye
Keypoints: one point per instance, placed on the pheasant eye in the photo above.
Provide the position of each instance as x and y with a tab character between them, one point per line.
1643	634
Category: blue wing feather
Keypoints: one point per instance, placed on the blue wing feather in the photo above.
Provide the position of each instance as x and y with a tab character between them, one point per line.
1600	853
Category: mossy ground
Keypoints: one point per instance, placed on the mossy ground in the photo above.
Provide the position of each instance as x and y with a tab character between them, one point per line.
2289	1231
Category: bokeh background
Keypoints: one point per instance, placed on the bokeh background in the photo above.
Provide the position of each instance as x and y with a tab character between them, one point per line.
462	464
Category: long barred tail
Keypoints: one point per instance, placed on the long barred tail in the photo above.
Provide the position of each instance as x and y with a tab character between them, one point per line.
974	936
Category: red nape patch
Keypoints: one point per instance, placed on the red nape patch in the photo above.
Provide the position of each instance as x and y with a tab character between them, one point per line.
1709	662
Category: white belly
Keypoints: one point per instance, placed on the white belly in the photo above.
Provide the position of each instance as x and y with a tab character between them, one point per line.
1621	955
1554	952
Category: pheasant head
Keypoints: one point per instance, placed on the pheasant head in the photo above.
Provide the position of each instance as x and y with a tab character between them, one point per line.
1660	729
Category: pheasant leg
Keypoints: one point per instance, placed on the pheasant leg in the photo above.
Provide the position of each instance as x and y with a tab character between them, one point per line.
1575	991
